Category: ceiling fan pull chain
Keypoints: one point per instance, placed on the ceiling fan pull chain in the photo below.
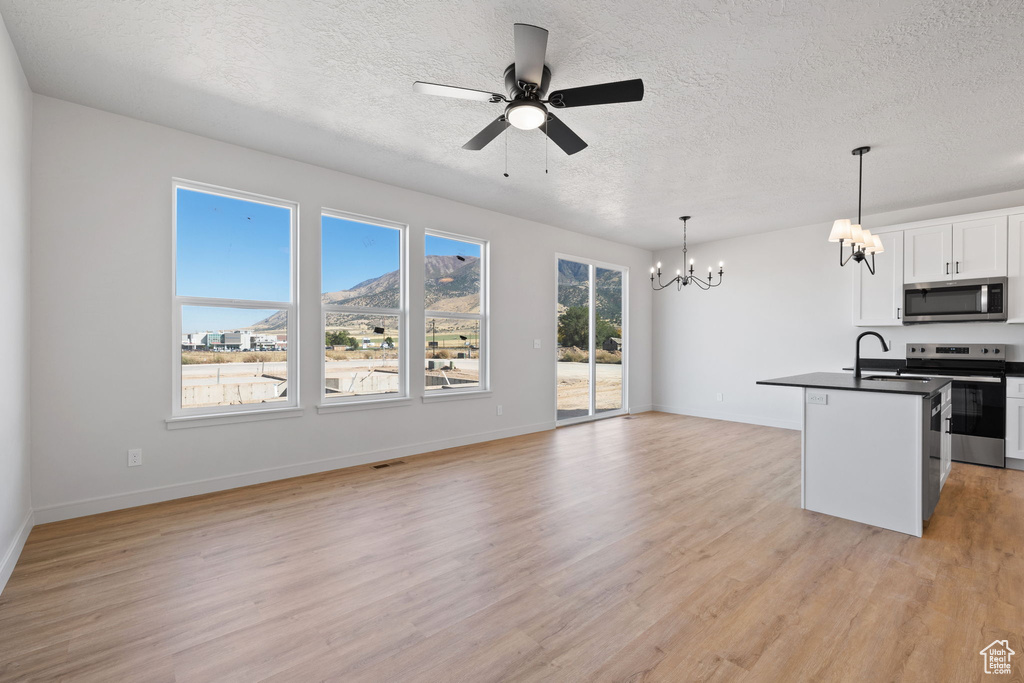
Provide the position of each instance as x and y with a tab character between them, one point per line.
506	155
545	145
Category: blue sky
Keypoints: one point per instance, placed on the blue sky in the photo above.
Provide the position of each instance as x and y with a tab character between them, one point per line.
354	252
213	319
441	246
231	248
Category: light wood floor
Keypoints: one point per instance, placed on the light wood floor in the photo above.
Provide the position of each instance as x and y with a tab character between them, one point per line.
654	548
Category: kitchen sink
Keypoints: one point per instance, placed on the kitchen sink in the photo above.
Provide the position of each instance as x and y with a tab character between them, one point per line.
889	378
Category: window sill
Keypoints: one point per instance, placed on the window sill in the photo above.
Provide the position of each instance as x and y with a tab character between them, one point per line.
371	404
213	419
441	396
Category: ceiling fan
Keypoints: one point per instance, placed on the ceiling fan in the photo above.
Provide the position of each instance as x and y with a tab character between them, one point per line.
527	82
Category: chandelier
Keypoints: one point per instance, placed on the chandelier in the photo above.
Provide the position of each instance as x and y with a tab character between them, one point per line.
682	279
862	242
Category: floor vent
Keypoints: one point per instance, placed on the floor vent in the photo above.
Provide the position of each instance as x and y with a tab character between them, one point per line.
388	464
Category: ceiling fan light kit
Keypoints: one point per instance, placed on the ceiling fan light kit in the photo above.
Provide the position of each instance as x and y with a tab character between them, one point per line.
683	279
526	114
526	81
862	242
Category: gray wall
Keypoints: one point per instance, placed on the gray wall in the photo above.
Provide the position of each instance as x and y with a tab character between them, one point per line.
786	307
15	138
102	340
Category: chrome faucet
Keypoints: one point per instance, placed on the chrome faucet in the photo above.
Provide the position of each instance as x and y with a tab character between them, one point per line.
856	362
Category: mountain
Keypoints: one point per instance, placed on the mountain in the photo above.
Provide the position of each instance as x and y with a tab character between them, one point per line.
451	284
573	285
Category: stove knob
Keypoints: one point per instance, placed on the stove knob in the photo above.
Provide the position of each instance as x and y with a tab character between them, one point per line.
922	349
995	350
912	349
984	350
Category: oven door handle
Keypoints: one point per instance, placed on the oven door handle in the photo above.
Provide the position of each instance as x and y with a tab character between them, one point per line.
955	378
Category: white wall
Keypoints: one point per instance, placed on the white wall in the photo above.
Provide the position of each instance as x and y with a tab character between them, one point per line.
15	138
101	238
785	308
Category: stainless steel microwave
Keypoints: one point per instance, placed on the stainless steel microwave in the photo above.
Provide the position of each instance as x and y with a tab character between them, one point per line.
983	299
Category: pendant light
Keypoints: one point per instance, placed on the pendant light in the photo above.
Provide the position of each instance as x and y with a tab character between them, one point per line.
862	242
681	279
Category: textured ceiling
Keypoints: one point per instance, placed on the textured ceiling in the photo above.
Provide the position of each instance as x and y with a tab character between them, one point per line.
751	109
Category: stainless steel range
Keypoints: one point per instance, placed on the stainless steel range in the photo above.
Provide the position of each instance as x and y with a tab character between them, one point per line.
978	372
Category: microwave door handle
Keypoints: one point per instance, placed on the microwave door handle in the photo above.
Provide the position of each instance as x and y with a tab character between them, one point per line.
984	298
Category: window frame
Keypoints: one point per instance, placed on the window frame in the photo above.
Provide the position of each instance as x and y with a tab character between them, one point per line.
402	313
246	410
483	317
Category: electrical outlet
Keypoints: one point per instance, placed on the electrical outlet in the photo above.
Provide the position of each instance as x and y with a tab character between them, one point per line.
499	410
536	343
817	399
719	397
134	457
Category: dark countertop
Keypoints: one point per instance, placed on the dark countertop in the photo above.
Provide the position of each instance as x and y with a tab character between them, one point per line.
1013	368
845	382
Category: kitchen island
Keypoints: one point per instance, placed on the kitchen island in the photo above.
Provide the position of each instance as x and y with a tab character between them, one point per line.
872	447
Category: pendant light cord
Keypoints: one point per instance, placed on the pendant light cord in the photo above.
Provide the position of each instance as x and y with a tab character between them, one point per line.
684	244
860	186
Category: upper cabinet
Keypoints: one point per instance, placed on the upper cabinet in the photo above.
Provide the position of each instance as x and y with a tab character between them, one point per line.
878	298
979	248
956	251
1015	286
928	253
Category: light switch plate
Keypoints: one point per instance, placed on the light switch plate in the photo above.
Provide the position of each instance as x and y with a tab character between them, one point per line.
817	398
536	343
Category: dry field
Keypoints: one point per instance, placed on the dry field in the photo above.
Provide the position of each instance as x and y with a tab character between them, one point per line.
574	386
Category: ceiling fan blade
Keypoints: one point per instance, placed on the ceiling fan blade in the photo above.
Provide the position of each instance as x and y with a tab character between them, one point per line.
493	130
605	93
562	135
452	91
531	47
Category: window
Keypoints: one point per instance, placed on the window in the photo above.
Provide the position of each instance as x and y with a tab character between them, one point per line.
364	312
455	299
233	301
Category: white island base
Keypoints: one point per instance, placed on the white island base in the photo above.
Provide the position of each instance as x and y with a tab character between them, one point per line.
862	458
872	448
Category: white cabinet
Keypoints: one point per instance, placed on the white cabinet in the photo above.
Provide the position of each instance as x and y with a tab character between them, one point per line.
979	248
1014	435
1015	270
946	451
928	253
956	251
1015	422
878	298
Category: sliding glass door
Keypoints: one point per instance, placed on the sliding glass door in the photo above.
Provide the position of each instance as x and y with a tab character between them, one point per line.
591	340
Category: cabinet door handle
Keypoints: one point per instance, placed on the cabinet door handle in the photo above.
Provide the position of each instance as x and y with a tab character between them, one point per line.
947	267
898	309
949	425
957	267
